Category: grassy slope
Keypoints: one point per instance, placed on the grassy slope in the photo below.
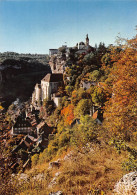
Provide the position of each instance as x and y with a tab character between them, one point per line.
95	171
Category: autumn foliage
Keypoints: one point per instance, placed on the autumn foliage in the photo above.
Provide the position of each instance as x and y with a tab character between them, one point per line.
121	109
68	114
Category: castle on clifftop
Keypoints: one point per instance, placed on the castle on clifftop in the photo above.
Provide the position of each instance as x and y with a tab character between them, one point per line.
51	82
59	56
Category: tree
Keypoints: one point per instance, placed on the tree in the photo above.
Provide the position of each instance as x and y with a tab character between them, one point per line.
95	75
79	94
102	48
68	114
69	89
121	109
83	107
85	132
88	58
106	59
62	49
99	96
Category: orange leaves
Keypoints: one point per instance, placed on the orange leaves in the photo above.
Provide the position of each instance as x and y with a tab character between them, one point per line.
121	109
68	114
1	108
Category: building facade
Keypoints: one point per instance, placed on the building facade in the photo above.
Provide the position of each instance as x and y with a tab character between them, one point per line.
21	126
49	86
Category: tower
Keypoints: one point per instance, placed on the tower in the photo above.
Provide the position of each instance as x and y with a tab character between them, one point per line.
87	40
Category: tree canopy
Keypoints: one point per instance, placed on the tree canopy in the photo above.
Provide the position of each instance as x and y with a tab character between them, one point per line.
121	109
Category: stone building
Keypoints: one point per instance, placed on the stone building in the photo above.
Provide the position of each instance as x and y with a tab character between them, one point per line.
53	52
49	86
37	92
85	47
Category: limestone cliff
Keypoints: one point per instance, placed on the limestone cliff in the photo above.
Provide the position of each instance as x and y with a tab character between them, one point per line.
19	75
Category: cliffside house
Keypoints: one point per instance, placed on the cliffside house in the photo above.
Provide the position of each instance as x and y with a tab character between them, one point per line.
44	131
26	144
85	84
21	126
53	52
43	127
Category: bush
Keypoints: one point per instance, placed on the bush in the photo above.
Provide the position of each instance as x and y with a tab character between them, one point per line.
130	164
34	159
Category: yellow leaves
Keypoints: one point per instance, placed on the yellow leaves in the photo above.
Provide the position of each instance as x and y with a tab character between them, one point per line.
119	109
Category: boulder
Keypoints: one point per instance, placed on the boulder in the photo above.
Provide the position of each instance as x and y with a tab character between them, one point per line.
127	184
39	177
54	164
53	182
56	193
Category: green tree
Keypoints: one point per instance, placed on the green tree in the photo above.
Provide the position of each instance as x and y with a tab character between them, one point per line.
99	96
84	106
85	132
69	89
95	75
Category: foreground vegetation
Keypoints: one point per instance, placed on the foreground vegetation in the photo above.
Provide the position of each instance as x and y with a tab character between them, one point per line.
91	157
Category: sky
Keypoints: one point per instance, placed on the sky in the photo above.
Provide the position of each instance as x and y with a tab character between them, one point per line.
35	26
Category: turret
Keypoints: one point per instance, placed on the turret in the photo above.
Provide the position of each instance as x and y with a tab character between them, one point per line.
87	40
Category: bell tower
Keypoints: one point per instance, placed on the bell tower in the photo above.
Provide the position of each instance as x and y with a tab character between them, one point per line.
87	40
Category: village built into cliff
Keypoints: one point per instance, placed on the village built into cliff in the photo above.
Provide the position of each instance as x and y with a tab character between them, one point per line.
35	132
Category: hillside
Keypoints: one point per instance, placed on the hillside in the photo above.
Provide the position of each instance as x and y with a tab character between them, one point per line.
24	69
87	143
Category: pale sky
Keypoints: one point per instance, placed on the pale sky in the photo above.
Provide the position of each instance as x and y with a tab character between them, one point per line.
35	26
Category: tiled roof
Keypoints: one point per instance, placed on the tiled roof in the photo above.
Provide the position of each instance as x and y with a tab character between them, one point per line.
53	77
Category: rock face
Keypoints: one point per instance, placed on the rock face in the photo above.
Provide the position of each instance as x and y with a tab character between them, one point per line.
18	77
127	184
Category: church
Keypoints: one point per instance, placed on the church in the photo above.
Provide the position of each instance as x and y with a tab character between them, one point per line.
49	86
84	47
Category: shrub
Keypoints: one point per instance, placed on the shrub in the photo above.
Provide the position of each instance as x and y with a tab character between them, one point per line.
34	159
130	164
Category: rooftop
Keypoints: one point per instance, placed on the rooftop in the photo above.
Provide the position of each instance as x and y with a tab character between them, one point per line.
53	77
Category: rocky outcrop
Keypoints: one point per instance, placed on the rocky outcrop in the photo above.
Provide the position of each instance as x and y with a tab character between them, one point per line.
55	164
53	181
56	193
127	185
